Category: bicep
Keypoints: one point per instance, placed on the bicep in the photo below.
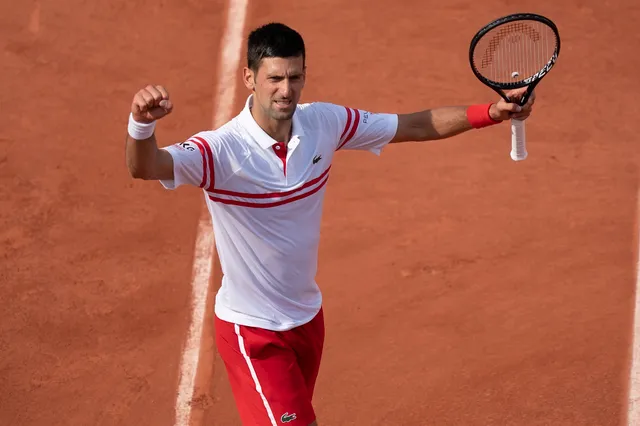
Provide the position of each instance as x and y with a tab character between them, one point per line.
356	129
187	163
368	131
163	167
416	126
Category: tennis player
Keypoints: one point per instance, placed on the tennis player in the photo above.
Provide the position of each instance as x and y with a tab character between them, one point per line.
264	176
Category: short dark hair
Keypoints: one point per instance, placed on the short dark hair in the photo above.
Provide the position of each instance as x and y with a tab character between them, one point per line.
273	40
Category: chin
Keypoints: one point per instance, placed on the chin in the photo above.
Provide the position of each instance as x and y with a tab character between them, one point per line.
283	115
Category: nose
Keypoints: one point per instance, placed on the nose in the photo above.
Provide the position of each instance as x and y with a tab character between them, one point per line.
285	88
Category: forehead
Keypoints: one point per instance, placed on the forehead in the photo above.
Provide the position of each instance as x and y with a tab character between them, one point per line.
282	66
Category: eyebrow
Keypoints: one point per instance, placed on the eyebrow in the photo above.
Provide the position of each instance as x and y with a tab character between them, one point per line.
283	75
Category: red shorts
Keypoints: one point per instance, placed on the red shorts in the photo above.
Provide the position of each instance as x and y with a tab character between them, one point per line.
272	374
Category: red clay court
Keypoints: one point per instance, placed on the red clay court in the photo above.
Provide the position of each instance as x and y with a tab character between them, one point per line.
460	287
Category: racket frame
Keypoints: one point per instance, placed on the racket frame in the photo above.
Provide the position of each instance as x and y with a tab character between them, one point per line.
532	81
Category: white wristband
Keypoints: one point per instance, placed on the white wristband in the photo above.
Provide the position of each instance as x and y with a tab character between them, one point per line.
140	131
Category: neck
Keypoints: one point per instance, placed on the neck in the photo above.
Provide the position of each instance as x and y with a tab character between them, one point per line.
279	130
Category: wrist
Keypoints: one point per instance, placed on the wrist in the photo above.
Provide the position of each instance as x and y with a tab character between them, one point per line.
480	116
494	114
140	130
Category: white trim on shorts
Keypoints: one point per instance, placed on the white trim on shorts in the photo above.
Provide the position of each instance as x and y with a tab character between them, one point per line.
253	374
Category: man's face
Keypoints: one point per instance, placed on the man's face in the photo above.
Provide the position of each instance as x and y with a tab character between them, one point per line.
277	86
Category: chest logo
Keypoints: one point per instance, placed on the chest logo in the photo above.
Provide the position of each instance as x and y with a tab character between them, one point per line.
317	158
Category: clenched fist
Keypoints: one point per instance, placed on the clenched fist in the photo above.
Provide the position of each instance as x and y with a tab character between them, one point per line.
150	104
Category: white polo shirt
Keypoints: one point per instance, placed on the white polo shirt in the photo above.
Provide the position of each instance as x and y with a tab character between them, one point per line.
265	198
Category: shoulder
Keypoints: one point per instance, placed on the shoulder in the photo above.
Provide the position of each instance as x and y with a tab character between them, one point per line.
320	109
324	115
228	136
229	148
218	136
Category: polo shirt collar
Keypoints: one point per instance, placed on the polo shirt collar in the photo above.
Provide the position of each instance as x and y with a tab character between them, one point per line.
263	139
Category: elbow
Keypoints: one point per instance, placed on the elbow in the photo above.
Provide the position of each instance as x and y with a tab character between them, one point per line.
135	174
139	172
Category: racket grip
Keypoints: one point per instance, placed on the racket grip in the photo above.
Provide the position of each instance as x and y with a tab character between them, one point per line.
518	140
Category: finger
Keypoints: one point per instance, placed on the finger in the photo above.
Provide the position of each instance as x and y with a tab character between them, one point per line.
516	94
140	102
148	98
165	93
157	113
157	96
526	107
510	107
166	104
521	115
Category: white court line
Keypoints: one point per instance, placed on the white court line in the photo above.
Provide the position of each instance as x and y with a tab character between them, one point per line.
205	244
633	416
34	20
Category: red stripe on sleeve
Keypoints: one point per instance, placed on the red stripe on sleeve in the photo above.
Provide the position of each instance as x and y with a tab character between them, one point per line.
344	132
212	172
204	161
353	130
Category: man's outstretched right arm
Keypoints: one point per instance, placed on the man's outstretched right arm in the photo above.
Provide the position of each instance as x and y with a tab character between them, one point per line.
143	157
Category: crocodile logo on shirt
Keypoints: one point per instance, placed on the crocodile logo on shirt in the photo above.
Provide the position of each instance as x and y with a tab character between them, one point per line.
286	417
317	158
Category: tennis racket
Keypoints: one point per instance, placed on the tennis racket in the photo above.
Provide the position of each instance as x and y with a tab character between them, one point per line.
512	52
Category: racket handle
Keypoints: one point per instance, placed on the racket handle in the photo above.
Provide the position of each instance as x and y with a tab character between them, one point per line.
518	140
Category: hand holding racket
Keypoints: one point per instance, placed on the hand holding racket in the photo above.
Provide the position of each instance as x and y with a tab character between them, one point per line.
512	110
515	52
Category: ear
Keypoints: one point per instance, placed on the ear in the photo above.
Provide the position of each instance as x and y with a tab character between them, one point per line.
249	78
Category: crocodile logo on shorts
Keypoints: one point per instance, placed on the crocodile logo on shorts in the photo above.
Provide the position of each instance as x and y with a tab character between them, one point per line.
286	417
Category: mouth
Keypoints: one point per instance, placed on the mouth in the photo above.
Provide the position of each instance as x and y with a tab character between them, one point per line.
283	103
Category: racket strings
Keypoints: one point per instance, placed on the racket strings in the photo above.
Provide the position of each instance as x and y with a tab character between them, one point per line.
511	31
513	52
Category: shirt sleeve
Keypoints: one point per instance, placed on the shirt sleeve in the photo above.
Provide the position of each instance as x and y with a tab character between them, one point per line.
193	164
359	129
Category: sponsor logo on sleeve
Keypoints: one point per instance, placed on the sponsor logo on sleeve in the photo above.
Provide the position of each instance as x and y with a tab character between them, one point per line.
187	146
